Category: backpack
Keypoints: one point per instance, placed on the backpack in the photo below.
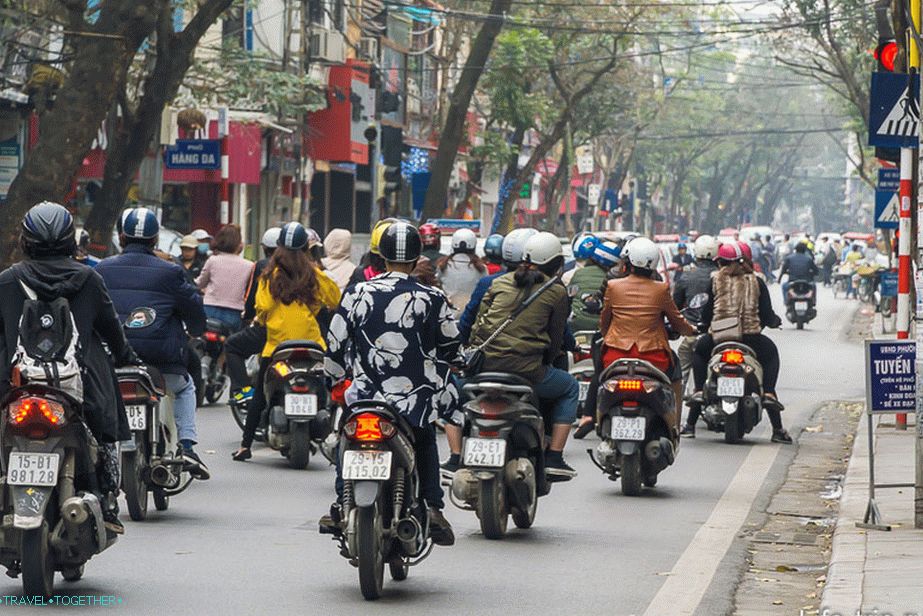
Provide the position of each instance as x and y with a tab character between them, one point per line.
48	346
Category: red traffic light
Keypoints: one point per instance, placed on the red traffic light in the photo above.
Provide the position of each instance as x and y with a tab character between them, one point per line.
886	54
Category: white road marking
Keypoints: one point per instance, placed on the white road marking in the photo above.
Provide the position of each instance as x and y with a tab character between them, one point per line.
683	590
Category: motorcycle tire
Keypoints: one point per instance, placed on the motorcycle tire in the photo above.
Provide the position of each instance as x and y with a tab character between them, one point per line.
732	429
631	474
371	561
37	563
239	413
299	453
72	574
161	500
492	508
213	392
398	570
799	324
133	483
650	481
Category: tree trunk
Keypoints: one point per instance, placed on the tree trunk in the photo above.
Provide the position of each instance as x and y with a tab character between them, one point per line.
67	130
453	129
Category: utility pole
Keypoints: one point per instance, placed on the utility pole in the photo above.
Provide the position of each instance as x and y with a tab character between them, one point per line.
914	50
904	264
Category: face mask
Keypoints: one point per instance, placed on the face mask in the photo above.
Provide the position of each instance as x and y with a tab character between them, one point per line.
202	249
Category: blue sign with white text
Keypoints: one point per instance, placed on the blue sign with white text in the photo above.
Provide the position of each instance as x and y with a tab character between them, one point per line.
887	202
890	376
894	110
193	154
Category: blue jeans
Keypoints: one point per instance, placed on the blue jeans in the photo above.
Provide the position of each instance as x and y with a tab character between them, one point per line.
228	316
184	402
562	388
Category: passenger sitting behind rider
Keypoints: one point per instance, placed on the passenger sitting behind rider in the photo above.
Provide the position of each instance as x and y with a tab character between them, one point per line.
533	340
633	314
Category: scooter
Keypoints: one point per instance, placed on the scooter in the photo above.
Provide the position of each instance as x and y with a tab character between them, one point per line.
733	393
581	367
214	374
800	302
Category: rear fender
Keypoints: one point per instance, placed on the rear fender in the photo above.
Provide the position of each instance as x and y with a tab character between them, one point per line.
365	493
729	405
29	504
627	448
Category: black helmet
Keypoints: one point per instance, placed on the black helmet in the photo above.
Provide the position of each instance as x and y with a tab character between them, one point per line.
48	230
400	243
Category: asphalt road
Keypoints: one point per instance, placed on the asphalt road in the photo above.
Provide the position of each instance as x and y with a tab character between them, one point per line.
246	542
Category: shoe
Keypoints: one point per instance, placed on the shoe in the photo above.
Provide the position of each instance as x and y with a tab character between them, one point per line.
440	531
112	522
697	397
242	455
771	403
451	465
330	524
557	467
193	465
687	431
584	429
781	436
242	396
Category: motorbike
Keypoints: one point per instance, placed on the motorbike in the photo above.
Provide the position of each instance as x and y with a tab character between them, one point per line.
637	441
238	410
52	515
151	460
502	472
733	393
385	520
297	417
211	350
801	302
581	367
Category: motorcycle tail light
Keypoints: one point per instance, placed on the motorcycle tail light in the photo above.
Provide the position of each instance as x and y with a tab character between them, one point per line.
133	391
32	409
493	407
630	403
301	388
368	428
732	357
630	384
213	336
282	369
338	392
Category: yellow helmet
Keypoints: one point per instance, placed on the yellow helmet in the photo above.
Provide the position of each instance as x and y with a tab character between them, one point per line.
377	231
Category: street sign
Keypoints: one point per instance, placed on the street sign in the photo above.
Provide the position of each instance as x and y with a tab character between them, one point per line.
9	165
592	194
890	376
223	123
450	225
193	154
887	200
894	114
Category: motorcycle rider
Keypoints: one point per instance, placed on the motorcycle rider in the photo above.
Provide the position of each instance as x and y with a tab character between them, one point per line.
737	292
690	295
529	345
47	241
430	236
372	264
632	320
154	300
493	253
682	259
799	266
460	272
190	259
396	338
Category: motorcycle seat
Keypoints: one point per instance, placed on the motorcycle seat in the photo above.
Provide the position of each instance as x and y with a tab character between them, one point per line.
299	344
633	367
214	325
500	377
511	382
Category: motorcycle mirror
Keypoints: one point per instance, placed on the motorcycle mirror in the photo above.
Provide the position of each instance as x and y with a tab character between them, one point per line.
572	291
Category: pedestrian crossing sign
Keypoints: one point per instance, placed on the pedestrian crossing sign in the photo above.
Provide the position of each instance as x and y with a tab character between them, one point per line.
894	110
887	200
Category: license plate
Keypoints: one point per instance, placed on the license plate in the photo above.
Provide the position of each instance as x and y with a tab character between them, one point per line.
801	306
628	428
32	469
730	387
485	452
367	465
137	416
584	390
301	405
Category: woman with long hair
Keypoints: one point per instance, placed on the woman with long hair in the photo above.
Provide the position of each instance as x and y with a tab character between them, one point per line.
460	272
291	297
225	278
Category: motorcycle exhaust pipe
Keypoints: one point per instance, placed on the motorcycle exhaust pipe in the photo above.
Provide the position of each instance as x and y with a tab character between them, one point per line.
162	476
408	531
74	511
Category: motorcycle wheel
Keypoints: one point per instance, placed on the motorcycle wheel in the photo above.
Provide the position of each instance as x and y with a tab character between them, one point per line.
239	412
371	561
299	454
37	563
161	500
398	570
72	574
732	430
133	484
524	518
799	324
492	508
631	474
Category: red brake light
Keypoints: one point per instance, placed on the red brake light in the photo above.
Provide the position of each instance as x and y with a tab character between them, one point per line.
493	407
212	336
732	357
30	409
630	403
301	389
368	427
133	390
631	384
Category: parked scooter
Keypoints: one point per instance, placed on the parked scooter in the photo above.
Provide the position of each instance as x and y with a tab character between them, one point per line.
151	461
385	521
502	471
638	441
733	392
801	302
53	517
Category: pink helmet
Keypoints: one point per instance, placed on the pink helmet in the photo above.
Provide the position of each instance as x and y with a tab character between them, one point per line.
729	252
745	251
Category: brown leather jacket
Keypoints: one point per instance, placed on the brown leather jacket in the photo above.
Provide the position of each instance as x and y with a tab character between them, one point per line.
633	312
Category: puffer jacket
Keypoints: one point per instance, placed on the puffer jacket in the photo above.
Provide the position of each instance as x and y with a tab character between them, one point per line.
337	246
154	300
589	280
691	291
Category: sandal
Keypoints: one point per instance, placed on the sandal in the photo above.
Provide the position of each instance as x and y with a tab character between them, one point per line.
242	455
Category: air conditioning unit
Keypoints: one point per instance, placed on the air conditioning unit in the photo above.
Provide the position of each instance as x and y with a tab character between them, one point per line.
368	48
413	97
328	46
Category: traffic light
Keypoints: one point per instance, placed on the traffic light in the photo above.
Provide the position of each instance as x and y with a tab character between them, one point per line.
392	179
886	54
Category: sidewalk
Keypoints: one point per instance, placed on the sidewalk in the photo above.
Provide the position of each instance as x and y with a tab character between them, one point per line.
877	570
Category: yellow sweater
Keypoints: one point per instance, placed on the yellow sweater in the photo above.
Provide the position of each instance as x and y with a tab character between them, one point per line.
293	321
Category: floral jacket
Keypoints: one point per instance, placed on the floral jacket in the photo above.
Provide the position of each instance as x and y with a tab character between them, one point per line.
396	337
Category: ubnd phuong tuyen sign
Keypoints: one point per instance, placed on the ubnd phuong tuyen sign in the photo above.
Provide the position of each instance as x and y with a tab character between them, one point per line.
194	154
890	376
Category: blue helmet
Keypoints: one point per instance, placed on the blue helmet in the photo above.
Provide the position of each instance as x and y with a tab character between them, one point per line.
606	254
293	236
139	223
493	247
584	247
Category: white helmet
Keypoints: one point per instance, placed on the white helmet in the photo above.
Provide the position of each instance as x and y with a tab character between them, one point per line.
514	244
271	237
642	252
464	240
542	248
705	247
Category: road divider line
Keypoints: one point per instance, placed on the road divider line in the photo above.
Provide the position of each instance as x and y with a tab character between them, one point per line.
683	590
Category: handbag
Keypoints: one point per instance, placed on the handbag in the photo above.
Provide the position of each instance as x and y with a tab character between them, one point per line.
729	329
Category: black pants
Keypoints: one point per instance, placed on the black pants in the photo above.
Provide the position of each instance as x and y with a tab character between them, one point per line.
256	406
238	347
828	270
